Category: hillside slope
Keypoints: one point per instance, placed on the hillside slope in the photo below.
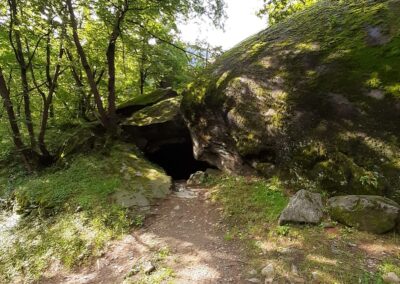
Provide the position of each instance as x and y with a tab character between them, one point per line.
314	98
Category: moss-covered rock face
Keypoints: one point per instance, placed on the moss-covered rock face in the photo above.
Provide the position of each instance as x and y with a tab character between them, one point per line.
144	100
160	112
318	96
374	214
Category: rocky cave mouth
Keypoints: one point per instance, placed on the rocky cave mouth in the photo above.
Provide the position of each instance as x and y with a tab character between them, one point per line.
177	160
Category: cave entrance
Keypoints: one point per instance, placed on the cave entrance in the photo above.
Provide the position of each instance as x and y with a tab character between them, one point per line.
177	160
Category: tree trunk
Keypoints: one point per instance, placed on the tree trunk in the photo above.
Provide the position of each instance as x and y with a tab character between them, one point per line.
111	79
111	65
85	64
23	72
16	134
48	100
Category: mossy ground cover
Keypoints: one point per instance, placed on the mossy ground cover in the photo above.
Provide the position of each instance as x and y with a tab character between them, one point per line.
70	213
333	253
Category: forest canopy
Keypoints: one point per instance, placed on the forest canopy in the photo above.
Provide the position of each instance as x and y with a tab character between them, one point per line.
75	60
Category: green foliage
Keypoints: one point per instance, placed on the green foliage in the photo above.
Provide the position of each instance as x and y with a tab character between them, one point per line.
278	10
148	54
282	230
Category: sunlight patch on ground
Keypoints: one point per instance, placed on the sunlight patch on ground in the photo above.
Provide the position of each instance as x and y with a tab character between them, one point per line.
8	221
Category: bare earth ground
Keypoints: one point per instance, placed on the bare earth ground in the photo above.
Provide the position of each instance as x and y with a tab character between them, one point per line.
183	239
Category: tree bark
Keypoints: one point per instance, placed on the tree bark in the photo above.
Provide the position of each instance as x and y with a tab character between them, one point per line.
18	50
111	63
89	73
48	101
16	134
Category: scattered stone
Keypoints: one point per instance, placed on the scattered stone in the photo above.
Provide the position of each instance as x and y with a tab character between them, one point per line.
254	280
303	207
129	199
177	207
268	280
179	186
335	249
3	204
375	36
135	270
288	251
253	272
352	245
316	275
197	178
186	194
376	94
342	106
295	271
207	195
268	271
148	267
370	213
297	280
391	278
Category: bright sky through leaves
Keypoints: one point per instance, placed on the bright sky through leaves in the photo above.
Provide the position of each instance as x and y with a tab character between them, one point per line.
241	23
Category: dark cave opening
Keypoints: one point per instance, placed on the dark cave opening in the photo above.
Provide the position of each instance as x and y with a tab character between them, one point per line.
177	160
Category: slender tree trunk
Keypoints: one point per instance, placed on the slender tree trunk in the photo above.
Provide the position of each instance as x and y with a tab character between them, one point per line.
142	81
52	114
16	134
23	72
111	79
47	103
85	64
48	100
84	101
111	64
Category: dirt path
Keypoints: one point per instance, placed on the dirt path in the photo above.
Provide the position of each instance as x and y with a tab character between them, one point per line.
183	241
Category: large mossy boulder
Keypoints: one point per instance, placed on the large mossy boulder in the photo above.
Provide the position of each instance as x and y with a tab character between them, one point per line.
374	214
161	112
317	96
157	125
145	100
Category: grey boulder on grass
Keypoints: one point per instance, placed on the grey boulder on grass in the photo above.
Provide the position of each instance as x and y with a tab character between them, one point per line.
303	207
370	213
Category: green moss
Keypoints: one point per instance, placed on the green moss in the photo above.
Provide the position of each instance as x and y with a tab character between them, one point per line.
87	181
148	99
70	239
309	78
364	215
160	112
72	214
389	266
340	175
249	203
